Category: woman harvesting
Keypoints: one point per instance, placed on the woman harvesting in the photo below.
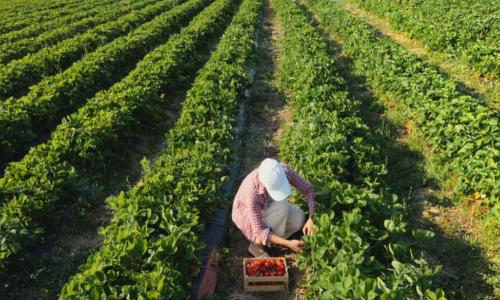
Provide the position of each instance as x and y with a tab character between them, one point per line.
262	212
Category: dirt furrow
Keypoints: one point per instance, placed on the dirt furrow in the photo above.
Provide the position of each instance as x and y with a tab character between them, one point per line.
267	115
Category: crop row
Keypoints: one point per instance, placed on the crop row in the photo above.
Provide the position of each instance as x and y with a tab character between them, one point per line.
86	149
470	29
361	246
24	120
15	50
463	130
152	245
19	18
18	75
16	8
37	30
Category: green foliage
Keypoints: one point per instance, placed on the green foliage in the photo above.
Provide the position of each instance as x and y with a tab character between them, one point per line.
15	45
46	29
34	12
461	28
73	164
151	246
463	130
23	120
18	75
362	248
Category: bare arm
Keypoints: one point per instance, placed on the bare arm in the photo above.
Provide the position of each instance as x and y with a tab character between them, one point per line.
276	239
295	245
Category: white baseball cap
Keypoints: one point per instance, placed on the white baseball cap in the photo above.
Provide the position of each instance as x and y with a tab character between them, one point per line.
273	177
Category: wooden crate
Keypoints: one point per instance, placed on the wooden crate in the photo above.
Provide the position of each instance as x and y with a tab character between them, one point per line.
272	283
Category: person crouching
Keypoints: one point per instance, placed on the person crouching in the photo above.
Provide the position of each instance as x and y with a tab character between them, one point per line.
262	212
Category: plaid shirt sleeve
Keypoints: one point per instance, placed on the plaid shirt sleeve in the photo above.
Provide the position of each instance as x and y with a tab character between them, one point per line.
305	187
257	220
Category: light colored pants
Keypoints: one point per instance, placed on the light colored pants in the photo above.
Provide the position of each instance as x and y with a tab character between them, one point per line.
284	218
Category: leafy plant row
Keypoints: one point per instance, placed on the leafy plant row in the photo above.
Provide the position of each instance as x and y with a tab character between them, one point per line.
463	130
152	245
15	19
14	45
18	75
90	145
469	29
15	8
24	120
362	248
18	49
45	28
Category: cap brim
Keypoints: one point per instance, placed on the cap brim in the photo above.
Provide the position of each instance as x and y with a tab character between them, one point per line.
282	194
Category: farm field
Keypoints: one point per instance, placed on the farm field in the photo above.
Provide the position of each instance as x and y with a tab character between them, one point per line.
125	126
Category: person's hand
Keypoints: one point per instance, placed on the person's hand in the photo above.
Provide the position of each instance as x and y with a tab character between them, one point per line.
295	245
308	227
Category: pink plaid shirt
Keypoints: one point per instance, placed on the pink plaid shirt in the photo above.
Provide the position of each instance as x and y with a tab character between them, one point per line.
251	199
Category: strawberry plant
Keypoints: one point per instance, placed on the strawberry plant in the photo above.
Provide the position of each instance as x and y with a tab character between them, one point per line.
463	129
18	75
362	248
151	246
467	29
16	18
15	49
22	120
46	28
73	164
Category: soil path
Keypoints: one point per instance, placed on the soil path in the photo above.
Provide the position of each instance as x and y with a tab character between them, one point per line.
267	117
469	81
